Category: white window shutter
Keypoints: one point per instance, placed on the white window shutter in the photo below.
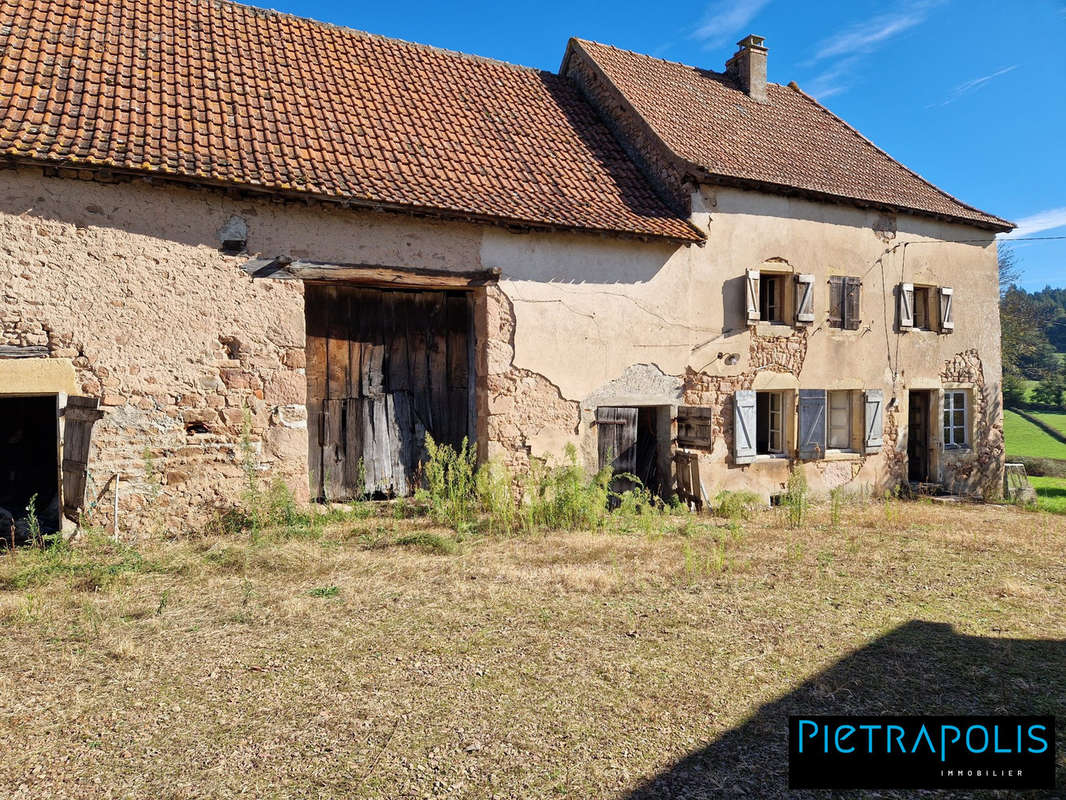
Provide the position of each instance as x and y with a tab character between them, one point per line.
812	423
743	426
947	312
804	298
752	292
906	305
873	421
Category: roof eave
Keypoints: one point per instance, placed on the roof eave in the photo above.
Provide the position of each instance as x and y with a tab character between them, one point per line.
425	212
706	176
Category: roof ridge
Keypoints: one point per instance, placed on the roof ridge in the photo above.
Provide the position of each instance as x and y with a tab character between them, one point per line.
661	60
358	32
855	132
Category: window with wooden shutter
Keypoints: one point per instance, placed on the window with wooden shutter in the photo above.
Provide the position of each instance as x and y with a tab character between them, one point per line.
804	298
906	306
743	426
947	314
838	412
812	414
617	438
752	293
873	422
852	289
79	416
836	301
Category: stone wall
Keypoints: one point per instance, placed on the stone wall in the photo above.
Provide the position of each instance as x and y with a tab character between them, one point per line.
522	404
192	361
979	470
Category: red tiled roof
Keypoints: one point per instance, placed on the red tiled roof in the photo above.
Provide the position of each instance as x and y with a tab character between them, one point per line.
225	93
792	142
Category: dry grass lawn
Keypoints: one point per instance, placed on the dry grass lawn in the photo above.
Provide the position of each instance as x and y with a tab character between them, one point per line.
609	664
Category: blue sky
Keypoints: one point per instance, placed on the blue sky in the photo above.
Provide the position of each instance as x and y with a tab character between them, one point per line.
971	94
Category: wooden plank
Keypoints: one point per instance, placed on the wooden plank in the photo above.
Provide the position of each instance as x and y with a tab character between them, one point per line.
372	315
337	345
316	383
418	359
401	441
387	277
80	414
437	352
23	351
333	452
354	459
397	377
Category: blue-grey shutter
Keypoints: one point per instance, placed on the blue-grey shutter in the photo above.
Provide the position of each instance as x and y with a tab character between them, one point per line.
743	426
874	420
811	423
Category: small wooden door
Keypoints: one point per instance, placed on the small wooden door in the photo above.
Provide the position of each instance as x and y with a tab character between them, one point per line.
918	437
79	416
384	368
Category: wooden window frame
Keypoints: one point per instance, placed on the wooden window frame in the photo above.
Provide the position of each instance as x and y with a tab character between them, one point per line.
849	410
923	290
949	428
780	304
780	432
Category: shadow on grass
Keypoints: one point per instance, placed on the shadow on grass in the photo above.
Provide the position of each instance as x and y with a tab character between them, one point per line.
918	668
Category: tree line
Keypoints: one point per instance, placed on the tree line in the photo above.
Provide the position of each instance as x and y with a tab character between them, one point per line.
1033	326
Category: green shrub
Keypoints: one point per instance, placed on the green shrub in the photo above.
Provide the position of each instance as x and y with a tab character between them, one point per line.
450	487
735	505
495	494
565	496
430	542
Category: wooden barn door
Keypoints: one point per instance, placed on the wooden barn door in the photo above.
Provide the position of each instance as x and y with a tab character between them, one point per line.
384	367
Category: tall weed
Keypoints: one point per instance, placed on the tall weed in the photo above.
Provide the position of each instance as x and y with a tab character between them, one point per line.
450	485
796	499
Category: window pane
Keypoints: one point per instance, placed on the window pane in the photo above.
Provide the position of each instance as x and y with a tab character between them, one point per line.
960	418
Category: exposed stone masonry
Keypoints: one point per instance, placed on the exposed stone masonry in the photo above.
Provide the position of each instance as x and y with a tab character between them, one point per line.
190	359
982	473
521	403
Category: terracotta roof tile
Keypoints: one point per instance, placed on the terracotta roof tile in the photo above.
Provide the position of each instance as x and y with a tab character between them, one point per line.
228	93
792	142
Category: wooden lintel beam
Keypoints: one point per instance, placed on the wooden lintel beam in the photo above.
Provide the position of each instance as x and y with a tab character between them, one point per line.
388	276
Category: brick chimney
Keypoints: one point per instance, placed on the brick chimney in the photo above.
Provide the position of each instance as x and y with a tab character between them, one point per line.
748	67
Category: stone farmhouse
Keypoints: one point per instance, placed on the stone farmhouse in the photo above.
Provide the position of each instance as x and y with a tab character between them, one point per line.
231	234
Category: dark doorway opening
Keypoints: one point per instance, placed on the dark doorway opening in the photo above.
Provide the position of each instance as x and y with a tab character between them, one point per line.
385	367
628	441
919	406
29	467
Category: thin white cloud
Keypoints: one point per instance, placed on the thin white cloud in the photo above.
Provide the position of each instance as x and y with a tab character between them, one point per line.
832	81
723	19
848	45
972	85
1035	223
867	35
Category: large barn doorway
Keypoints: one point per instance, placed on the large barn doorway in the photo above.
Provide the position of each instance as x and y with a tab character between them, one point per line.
29	466
384	368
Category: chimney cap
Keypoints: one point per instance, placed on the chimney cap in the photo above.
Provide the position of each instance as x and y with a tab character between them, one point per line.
752	40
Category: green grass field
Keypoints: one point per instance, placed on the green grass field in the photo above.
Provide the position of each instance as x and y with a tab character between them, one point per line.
1051	494
1025	440
1056	420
